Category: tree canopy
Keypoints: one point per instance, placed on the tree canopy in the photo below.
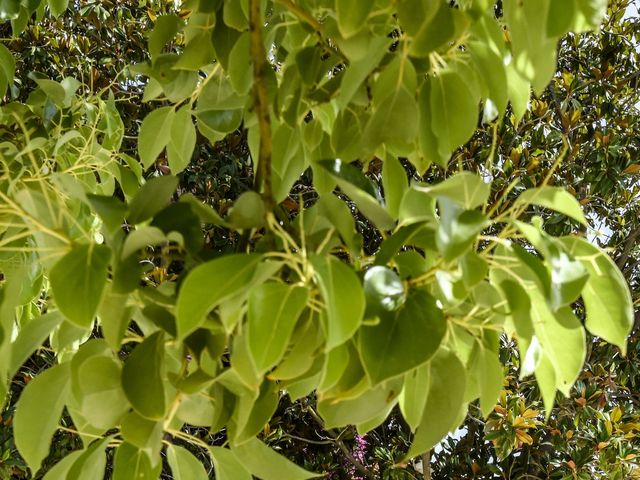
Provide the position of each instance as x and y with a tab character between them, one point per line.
237	211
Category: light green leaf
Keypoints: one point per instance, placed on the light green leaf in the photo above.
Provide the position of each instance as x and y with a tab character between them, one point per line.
164	29
78	295
458	229
227	466
402	340
360	69
144	434
155	134
130	462
465	188
184	466
383	291
92	462
554	198
361	191
343	296
152	197
454	112
59	470
248	211
266	464
490	379
57	7
274	309
182	142
394	120
352	15
98	391
36	421
606	293
31	337
413	397
208	285
546	378
240	67
252	414
362	408
394	181
444	400
142	377
7	69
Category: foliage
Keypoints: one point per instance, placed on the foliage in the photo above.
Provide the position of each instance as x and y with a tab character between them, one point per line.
194	334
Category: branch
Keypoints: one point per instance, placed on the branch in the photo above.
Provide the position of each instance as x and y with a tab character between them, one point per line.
261	102
629	243
426	465
336	438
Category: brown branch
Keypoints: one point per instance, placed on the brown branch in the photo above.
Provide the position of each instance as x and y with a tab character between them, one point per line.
629	243
336	439
426	465
261	102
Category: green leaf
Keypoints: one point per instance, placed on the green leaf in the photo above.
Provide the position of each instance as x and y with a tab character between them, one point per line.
394	120
444	401
465	189
240	68
7	68
9	10
227	466
58	7
362	408
31	337
59	470
164	29
436	30
343	296
534	54
266	464
184	466
36	421
97	389
155	134
152	197
554	198
208	285
114	315
142	377
413	397
92	462
78	295
394	181
248	211
428	151
360	69
568	277
182	142
454	112
458	229
352	15
252	414
606	293
144	434
130	462
490	379
402	340
274	309
383	291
